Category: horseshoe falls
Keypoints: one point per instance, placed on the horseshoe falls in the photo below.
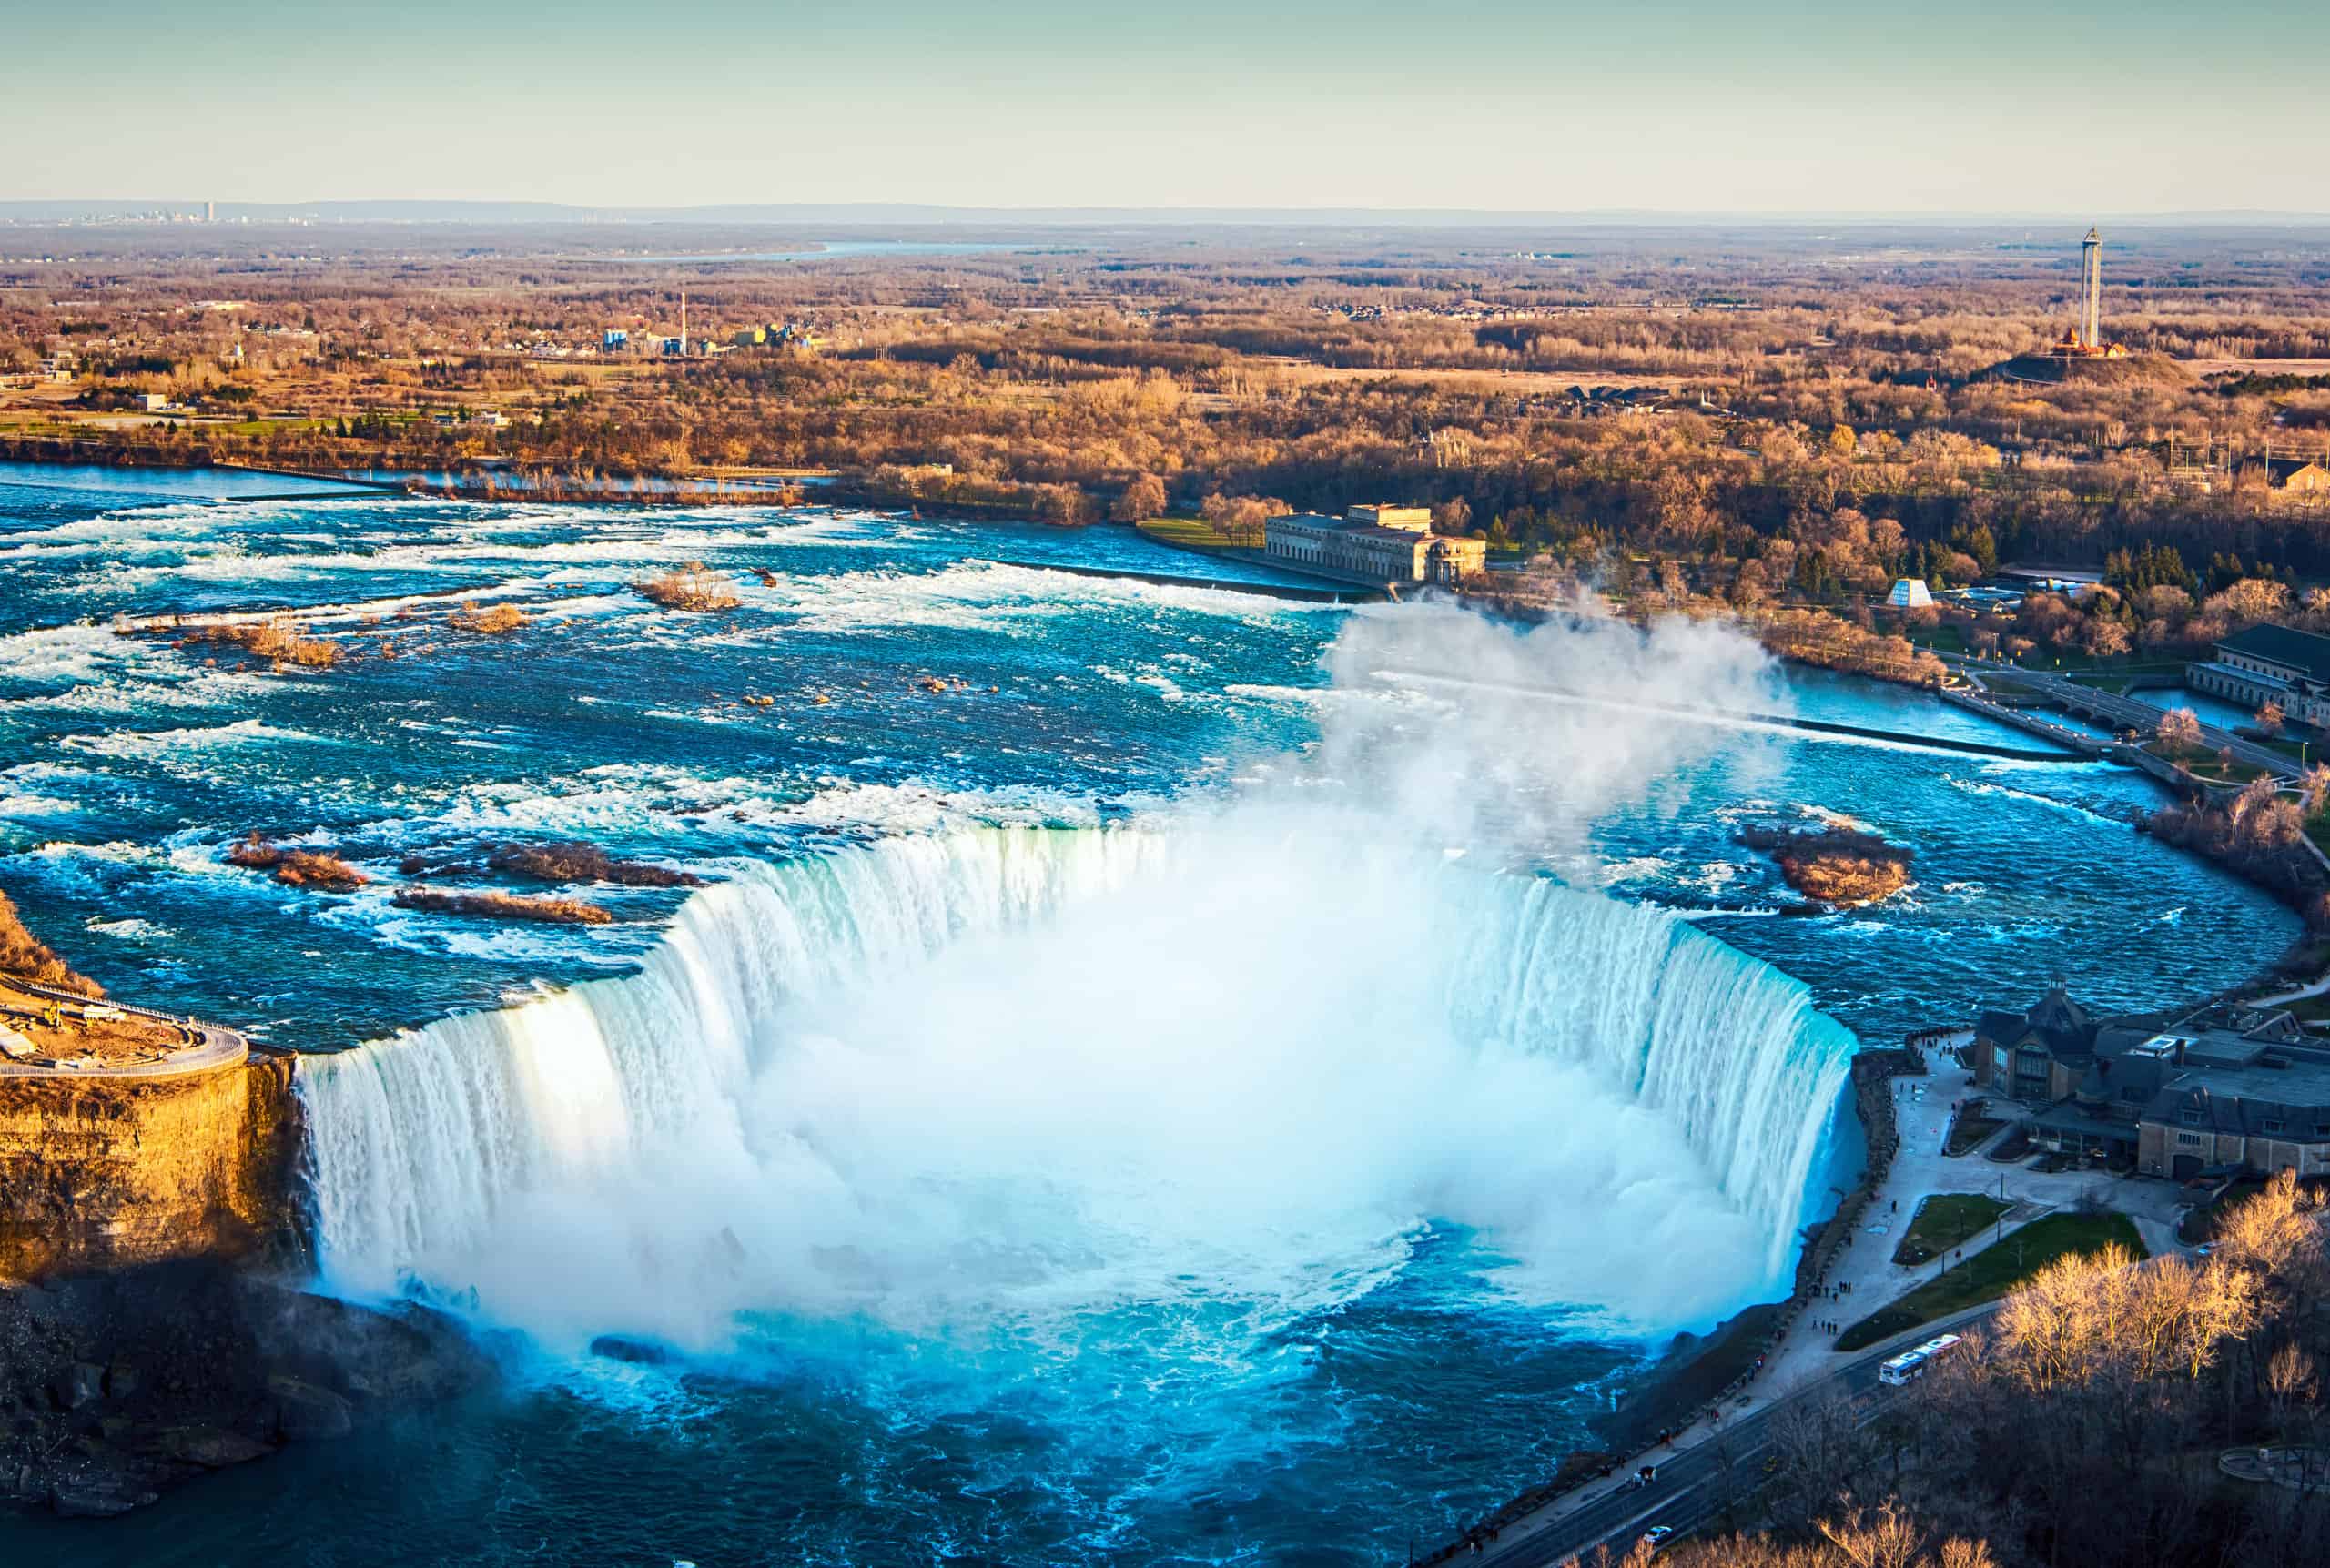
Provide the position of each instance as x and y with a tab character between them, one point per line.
1186	1092
1015	1075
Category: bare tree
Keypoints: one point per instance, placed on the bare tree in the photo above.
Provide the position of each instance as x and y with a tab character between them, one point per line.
2179	732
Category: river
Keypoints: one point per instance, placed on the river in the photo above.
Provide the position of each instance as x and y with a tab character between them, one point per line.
1182	1090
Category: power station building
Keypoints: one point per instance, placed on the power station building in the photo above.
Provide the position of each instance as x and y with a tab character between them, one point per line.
2277	664
1372	544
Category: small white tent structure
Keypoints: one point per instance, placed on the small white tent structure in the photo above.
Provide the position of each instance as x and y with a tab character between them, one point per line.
1910	594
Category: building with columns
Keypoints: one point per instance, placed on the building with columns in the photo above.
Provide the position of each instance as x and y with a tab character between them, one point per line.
1372	544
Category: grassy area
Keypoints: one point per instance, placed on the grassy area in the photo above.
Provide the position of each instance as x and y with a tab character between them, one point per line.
1995	1270
1969	1133
1944	1221
1188	532
2205	764
2239	773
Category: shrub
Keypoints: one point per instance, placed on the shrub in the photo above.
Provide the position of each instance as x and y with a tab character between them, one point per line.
694	588
27	958
493	622
298	867
503	906
574	862
277	639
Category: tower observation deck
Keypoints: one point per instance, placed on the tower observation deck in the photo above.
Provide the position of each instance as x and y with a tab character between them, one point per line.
2086	340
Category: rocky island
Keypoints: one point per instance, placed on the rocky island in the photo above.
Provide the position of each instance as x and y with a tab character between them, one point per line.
1834	868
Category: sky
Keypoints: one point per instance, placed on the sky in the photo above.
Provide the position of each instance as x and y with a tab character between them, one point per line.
1662	106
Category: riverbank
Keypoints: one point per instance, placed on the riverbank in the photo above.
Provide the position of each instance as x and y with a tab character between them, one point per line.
1700	1382
131	1383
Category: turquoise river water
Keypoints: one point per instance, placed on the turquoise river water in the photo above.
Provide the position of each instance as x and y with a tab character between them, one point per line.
1222	1078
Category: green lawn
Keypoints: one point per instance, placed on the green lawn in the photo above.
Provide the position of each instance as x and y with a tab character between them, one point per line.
1971	1132
1943	1221
1995	1270
1188	532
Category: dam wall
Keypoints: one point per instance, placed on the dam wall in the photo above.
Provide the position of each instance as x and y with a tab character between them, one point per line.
110	1171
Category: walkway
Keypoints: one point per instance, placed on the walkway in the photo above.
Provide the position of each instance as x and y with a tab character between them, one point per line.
212	1047
1692	1475
1807	1358
1743	719
2123	712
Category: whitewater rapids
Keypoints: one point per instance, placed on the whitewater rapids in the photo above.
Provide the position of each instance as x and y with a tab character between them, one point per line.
1022	1073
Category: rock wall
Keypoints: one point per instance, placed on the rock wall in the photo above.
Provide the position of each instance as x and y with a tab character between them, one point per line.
107	1173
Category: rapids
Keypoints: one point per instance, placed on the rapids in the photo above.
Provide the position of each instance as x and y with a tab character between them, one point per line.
1182	1093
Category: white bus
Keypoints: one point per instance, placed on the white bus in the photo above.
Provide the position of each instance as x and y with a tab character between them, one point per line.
1910	1365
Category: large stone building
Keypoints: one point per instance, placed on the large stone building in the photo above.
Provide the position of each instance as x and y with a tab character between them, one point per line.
2217	1093
2270	664
1374	544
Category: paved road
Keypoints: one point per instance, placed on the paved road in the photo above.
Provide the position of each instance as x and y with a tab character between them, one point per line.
211	1046
1684	1490
2125	712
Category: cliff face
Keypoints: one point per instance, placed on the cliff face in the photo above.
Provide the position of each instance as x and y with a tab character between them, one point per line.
103	1173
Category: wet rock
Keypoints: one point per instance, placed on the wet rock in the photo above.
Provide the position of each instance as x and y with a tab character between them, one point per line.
75	1386
102	1496
210	1447
622	1348
304	1412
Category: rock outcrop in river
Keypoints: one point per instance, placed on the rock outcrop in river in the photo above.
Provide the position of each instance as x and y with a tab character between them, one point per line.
1835	867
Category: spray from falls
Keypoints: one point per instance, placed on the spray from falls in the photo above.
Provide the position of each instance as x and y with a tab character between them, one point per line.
985	1076
1003	1071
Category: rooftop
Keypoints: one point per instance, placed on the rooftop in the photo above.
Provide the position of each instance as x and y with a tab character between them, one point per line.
2283	645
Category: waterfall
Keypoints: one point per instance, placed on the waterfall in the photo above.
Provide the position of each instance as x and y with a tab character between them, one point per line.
1025	1070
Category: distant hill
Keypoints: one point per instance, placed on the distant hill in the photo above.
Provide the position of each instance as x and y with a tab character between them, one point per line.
2135	371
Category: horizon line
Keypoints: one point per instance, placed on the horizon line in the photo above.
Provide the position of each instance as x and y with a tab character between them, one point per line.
461	209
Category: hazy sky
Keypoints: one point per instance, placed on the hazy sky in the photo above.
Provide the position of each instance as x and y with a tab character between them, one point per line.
2052	105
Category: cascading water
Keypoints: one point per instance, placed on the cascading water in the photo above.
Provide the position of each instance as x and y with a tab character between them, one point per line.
1009	1075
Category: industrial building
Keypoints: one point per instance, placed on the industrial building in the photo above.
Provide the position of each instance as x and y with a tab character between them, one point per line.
1374	544
2277	664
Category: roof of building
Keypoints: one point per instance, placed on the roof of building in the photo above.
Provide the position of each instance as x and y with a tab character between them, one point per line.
2285	645
2064	1115
2243	1099
1405	538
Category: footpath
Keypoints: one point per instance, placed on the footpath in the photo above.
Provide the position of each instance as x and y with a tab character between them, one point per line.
1863	1275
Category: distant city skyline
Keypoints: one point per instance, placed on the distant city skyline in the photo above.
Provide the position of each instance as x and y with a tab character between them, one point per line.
1472	106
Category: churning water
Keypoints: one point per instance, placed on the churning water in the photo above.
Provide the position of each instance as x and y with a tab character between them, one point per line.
1181	1093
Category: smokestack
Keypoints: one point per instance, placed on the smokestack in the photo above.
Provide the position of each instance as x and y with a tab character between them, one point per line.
683	323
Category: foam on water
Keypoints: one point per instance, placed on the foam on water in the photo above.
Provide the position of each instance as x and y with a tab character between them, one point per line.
957	1080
